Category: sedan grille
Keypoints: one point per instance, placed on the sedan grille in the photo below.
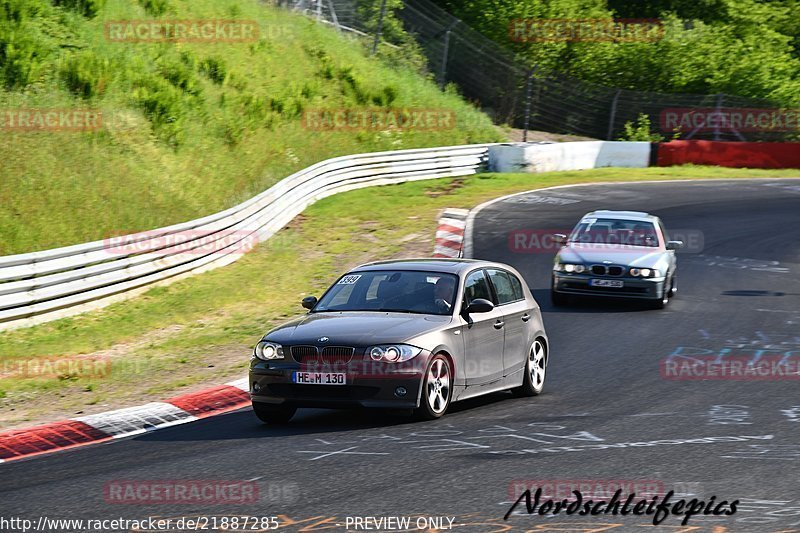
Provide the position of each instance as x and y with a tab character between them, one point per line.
599	270
337	354
603	270
304	352
329	354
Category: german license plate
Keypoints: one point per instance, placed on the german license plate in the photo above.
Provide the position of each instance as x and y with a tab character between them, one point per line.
614	283
319	378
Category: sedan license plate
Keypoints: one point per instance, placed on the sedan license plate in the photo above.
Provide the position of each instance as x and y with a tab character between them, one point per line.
319	378
615	283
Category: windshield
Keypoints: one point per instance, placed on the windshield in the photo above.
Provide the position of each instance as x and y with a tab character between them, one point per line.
615	231
401	291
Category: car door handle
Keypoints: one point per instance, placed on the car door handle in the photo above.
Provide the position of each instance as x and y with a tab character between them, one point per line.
526	317
499	324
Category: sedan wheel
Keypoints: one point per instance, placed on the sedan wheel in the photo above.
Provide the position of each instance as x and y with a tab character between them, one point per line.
535	371
436	389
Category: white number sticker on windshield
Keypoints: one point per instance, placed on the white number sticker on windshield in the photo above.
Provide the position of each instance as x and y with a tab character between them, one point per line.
589	221
349	280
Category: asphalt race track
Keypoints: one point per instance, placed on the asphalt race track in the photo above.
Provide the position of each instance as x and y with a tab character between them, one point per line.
607	416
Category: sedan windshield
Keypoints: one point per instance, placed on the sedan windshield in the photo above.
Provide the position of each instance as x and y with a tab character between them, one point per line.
614	231
400	291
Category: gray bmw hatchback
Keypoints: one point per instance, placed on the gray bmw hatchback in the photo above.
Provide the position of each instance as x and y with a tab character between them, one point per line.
414	334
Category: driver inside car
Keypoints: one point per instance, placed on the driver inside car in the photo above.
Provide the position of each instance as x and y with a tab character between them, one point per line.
443	293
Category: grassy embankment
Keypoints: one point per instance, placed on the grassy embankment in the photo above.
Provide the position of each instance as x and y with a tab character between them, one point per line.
188	128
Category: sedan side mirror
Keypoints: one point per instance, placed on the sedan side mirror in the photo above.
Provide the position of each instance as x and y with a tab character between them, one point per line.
309	302
674	245
560	238
479	305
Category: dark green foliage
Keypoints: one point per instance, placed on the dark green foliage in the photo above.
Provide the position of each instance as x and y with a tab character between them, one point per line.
214	68
179	74
21	57
162	103
85	74
155	8
742	47
23	49
87	8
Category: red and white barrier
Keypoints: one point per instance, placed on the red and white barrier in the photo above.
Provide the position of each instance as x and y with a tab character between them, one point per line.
450	233
120	423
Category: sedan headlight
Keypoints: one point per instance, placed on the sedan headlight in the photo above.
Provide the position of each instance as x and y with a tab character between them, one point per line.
393	353
267	351
569	267
645	272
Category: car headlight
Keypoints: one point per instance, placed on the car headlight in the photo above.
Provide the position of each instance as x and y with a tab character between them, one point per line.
393	353
569	267
268	350
645	272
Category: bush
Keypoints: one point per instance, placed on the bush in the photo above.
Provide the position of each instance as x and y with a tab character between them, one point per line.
85	74
386	97
22	57
87	8
640	131
179	75
156	7
352	84
162	105
18	11
214	68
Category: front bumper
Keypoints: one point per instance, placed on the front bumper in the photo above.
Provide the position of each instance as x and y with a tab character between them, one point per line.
639	288
368	384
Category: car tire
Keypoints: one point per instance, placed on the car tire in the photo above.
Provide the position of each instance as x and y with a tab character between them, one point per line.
437	388
535	371
273	414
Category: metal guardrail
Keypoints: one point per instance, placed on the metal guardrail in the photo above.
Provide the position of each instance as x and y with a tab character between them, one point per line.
51	284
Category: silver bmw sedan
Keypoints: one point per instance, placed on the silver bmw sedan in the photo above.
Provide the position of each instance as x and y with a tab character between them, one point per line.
620	254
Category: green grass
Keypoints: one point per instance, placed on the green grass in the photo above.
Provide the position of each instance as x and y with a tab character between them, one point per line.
188	129
165	340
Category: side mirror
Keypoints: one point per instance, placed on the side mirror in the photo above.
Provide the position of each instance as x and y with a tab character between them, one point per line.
674	245
309	302
560	238
479	305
